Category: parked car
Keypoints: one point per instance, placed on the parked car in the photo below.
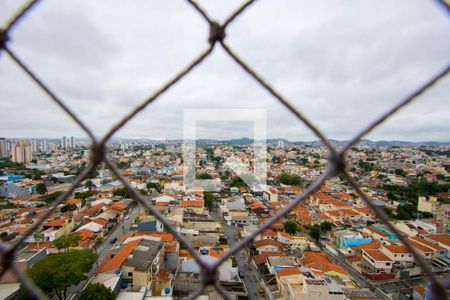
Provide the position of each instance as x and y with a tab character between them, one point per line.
113	240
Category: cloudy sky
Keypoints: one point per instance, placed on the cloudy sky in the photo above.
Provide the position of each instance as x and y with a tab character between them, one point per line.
340	63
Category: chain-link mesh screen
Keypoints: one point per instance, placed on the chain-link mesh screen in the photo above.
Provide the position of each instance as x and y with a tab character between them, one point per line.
336	161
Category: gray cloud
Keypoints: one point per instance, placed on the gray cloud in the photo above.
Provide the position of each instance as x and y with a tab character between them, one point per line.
341	65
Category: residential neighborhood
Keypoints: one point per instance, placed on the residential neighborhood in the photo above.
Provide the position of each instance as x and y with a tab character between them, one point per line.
329	246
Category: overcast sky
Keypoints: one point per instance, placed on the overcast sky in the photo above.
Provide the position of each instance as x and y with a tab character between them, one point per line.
340	63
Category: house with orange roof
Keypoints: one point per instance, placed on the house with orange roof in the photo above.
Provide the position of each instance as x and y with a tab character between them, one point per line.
318	197
373	245
329	269
194	205
268	234
165	198
288	271
439	251
343	196
364	212
74	201
321	217
399	254
376	262
87	238
425	251
321	264
292	241
271	194
441	239
54	229
334	215
258	208
268	246
303	216
101	221
118	207
139	261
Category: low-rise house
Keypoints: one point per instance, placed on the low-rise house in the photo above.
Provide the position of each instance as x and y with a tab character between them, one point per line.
376	265
165	198
313	288
52	230
24	260
292	241
139	260
399	255
240	218
268	246
27	202
12	190
349	238
271	194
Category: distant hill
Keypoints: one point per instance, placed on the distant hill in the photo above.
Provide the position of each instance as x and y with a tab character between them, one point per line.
248	141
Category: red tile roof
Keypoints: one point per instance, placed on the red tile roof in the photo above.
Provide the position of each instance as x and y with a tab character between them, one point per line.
288	271
377	255
54	223
268	242
192	203
117	261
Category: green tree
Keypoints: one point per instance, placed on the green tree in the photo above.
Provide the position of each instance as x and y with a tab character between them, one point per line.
68	207
209	201
152	185
290	227
318	229
123	192
400	172
406	211
41	188
276	159
96	291
314	232
67	241
237	182
49	198
366	166
203	176
290	179
89	185
122	165
326	226
83	195
56	273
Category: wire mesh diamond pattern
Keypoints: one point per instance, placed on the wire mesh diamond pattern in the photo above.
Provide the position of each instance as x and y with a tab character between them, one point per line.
217	36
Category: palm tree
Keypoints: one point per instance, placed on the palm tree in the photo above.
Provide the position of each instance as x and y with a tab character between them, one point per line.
89	184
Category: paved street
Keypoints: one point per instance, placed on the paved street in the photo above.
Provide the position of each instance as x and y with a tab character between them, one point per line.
105	247
250	277
122	228
356	276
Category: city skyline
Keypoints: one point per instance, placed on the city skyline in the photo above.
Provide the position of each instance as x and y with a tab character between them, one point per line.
340	68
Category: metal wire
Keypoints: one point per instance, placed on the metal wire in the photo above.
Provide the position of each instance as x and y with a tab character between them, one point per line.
336	161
